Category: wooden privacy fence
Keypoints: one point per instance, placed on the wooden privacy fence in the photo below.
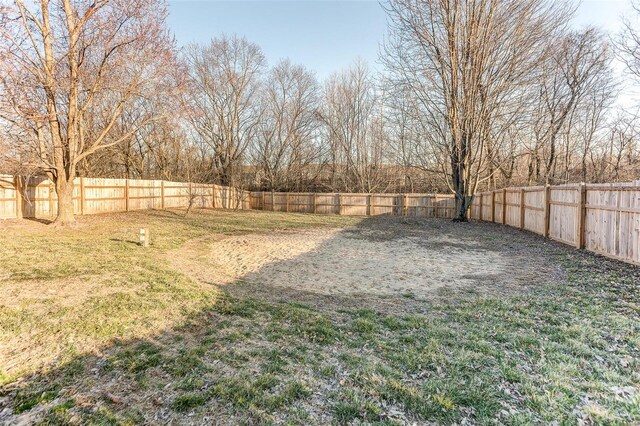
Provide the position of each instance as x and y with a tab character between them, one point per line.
36	198
423	205
603	218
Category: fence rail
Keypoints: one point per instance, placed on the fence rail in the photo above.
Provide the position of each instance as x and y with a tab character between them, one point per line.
35	197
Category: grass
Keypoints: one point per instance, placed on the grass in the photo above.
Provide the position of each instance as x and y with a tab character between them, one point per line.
161	345
97	285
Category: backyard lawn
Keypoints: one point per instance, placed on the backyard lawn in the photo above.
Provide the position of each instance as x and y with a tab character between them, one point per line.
271	318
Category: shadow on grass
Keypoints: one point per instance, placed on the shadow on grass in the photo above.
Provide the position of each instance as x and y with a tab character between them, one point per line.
285	356
124	240
39	220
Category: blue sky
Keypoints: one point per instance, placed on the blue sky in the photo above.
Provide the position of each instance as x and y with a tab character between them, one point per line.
323	35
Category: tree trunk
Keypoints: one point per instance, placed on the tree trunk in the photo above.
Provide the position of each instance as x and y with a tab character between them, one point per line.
463	202
460	182
64	191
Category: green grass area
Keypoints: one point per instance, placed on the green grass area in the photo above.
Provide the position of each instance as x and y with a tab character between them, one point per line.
165	349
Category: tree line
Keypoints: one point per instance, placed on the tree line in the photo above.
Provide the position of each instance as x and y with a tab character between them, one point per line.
472	96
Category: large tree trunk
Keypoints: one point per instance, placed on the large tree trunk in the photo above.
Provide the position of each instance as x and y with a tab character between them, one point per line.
64	191
460	179
463	199
463	202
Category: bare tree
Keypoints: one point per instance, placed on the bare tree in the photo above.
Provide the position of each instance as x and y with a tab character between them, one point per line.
161	151
412	138
467	65
224	115
285	147
619	155
579	66
356	154
591	124
71	70
628	43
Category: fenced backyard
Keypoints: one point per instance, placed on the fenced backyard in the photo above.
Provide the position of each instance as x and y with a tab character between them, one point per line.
602	218
272	318
278	296
267	317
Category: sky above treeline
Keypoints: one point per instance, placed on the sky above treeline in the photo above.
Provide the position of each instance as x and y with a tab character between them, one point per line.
323	35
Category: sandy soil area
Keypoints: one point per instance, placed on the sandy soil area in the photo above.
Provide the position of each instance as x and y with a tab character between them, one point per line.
384	259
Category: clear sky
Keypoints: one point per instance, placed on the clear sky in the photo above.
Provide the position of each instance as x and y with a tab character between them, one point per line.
323	35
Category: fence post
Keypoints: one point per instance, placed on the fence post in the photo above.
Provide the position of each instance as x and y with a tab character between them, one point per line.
287	202
126	194
369	205
504	206
435	205
273	201
547	209
18	190
315	203
582	215
493	206
522	207
405	204
263	199
82	199
480	213
339	204
51	189
162	194
213	191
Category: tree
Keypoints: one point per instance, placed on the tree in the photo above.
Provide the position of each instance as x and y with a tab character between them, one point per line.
579	67
351	129
628	42
619	159
224	115
591	123
285	148
468	64
71	70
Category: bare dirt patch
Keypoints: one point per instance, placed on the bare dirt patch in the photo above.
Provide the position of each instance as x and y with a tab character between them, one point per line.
421	259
